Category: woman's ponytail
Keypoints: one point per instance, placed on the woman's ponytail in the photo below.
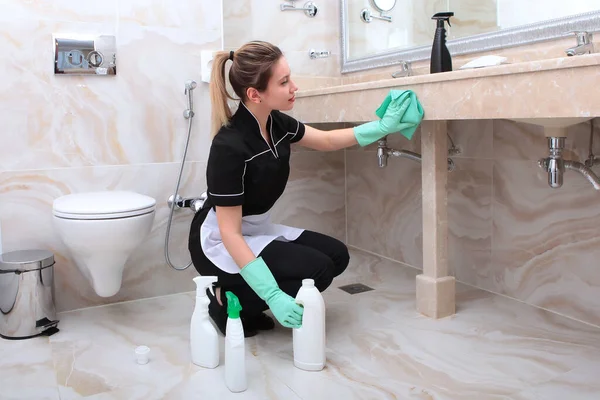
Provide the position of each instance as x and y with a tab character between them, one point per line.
220	113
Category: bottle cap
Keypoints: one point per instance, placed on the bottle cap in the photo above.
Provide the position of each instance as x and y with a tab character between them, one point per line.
233	305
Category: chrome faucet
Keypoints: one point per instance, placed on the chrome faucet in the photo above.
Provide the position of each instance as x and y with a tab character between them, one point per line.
584	44
405	70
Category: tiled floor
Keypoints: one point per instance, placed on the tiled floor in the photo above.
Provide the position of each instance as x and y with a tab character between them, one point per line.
378	347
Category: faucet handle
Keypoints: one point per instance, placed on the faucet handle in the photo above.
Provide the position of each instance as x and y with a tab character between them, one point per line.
405	69
583	37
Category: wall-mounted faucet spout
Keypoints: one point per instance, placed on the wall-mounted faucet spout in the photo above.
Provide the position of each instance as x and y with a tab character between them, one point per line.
584	44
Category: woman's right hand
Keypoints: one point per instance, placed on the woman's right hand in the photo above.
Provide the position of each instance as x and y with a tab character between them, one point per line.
261	280
285	309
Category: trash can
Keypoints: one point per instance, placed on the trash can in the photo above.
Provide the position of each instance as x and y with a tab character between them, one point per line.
27	294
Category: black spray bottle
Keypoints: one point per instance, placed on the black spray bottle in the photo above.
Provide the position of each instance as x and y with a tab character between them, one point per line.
440	56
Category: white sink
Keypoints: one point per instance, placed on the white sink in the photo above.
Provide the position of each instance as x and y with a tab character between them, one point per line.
554	127
553	122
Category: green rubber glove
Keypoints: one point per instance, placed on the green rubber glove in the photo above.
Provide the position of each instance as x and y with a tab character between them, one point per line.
399	112
283	306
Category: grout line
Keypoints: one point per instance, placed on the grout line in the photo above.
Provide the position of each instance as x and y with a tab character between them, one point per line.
385	257
479	288
127	301
531	305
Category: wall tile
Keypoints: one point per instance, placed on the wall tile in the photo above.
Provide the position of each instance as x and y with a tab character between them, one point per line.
384	206
546	241
474	138
189	16
470	220
59	10
237	22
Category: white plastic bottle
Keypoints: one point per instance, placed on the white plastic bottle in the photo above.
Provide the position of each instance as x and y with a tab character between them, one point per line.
309	339
235	351
204	339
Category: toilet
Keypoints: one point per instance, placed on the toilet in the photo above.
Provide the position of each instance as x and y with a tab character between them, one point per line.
101	230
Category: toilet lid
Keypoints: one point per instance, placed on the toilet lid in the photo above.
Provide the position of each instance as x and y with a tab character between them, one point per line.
100	205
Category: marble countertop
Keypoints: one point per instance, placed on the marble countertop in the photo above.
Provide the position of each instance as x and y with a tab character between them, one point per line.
563	87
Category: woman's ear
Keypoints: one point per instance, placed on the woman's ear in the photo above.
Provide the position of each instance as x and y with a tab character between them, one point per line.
253	95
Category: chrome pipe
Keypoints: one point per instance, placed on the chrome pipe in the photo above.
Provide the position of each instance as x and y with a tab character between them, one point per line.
585	171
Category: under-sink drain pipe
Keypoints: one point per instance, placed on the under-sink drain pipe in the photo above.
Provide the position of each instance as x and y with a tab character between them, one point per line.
555	165
384	152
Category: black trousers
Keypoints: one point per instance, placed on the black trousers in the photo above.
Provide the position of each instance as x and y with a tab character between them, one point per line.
313	255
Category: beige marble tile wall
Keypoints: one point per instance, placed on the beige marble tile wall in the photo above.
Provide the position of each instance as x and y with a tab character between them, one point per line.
293	32
510	233
67	134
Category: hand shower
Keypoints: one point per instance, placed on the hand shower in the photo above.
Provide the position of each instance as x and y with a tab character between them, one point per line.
188	114
189	87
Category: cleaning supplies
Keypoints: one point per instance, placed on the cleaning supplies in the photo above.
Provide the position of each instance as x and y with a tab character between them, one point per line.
309	340
235	352
204	339
440	56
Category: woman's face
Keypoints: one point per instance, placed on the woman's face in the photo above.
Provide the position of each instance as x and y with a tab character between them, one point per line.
280	93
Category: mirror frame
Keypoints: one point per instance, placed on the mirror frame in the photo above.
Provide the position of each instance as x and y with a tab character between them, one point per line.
373	2
511	37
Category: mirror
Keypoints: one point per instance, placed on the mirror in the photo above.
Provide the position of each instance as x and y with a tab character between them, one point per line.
384	5
477	25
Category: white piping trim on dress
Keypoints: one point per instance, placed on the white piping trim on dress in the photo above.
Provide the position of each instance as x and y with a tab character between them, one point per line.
243	175
259	129
256	155
272	141
297	129
289	133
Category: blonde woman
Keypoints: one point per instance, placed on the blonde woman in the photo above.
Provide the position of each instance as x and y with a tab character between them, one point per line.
232	237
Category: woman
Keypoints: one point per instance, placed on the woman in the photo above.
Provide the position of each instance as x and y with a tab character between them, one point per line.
232	238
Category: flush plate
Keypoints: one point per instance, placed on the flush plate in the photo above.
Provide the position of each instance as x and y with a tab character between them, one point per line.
355	288
85	54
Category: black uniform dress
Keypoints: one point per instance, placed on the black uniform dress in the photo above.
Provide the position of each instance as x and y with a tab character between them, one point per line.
244	170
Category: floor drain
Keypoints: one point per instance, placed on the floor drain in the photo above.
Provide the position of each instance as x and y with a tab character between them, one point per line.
355	288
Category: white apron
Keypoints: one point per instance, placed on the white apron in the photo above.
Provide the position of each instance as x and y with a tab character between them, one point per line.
258	231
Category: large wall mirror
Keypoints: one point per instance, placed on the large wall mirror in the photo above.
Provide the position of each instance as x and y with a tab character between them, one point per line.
377	33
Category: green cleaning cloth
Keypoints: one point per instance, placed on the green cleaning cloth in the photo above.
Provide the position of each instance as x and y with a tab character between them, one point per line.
409	111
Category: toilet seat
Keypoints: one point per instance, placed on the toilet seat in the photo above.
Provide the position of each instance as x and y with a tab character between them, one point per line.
103	205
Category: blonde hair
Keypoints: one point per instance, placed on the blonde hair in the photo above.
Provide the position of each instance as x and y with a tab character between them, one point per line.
251	68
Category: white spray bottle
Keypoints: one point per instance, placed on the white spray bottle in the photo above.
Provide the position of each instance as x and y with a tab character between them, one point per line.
309	339
235	351
204	339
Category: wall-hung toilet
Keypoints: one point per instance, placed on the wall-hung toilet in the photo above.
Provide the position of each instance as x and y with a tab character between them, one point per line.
101	230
